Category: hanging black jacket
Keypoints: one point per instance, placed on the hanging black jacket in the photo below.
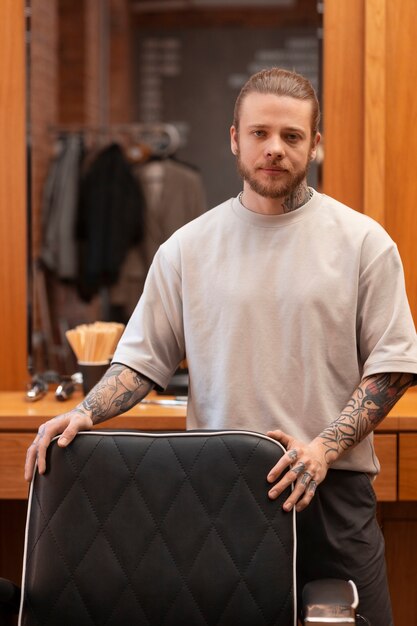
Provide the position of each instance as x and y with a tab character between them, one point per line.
110	220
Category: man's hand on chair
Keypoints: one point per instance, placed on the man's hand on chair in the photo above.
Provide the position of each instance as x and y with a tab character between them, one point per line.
69	424
307	469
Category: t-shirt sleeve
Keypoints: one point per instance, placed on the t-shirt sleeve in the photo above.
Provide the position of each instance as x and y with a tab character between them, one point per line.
387	339
153	341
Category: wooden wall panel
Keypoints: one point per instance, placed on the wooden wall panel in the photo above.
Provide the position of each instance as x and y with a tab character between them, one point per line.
374	110
385	484
399	524
13	234
408	467
370	114
401	138
343	98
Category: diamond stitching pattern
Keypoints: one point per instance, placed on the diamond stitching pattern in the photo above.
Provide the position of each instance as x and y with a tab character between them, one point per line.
227	495
161	491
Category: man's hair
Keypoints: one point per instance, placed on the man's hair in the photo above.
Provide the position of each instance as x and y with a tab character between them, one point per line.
280	82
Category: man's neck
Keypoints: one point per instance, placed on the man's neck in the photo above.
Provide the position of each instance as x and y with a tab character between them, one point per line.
301	195
276	206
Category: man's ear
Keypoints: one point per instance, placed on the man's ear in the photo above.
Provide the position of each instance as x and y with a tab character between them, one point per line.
315	143
233	140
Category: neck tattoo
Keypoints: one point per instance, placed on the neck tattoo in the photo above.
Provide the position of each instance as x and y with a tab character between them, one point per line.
300	196
292	202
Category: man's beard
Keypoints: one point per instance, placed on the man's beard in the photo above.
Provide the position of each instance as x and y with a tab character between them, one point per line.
274	188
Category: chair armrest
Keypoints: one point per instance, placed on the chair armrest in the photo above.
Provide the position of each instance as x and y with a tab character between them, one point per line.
331	602
9	600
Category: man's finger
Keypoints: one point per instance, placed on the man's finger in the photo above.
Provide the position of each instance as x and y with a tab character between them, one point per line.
68	435
37	451
308	496
283	484
30	462
306	479
280	436
292	455
298	469
285	461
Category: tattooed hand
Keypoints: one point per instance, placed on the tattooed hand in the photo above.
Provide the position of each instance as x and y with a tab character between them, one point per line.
118	391
370	402
308	468
69	424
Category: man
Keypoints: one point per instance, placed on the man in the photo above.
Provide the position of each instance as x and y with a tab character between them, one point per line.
291	310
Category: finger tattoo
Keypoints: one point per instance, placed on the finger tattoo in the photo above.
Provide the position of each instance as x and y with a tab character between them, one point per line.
293	454
312	486
299	469
306	478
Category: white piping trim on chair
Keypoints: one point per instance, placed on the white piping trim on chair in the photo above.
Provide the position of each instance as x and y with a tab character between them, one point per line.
294	562
22	586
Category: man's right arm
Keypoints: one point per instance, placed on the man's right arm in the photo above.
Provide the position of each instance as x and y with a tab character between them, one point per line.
118	391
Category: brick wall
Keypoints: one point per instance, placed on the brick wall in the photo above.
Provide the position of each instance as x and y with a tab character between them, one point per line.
95	61
43	107
121	71
72	42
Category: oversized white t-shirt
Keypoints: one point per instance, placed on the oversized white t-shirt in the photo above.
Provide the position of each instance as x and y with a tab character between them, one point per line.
279	316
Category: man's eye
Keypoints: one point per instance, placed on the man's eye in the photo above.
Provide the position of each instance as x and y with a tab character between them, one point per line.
292	138
259	133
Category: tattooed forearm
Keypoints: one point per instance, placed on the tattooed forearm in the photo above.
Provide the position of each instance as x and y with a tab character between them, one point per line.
297	198
118	391
369	404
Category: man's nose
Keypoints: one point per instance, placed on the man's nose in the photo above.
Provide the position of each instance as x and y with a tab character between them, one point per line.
275	148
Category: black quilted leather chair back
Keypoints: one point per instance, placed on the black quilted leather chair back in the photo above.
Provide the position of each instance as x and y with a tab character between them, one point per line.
158	529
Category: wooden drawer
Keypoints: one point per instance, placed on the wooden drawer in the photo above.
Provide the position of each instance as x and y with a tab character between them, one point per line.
385	484
408	466
13	447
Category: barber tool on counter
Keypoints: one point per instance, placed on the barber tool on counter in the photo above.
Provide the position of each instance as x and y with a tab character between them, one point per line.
67	386
93	346
38	386
36	389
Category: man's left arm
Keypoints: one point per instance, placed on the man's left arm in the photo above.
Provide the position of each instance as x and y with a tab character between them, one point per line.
370	403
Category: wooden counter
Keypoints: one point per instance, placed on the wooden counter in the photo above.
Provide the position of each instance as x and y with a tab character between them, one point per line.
17	415
395	439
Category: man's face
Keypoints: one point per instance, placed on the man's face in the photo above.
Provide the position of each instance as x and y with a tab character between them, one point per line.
274	144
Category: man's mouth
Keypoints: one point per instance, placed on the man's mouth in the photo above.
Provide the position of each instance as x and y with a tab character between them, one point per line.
271	168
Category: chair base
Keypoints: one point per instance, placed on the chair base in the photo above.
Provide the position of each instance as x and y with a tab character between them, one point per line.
330	602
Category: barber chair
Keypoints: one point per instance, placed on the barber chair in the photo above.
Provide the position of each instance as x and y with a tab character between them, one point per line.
129	528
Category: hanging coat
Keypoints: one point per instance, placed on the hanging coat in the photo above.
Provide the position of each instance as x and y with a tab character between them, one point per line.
110	219
60	209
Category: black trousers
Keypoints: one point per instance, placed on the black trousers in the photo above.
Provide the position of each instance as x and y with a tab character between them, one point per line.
338	536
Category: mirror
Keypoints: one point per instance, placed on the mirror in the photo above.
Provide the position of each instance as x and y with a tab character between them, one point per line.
134	99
